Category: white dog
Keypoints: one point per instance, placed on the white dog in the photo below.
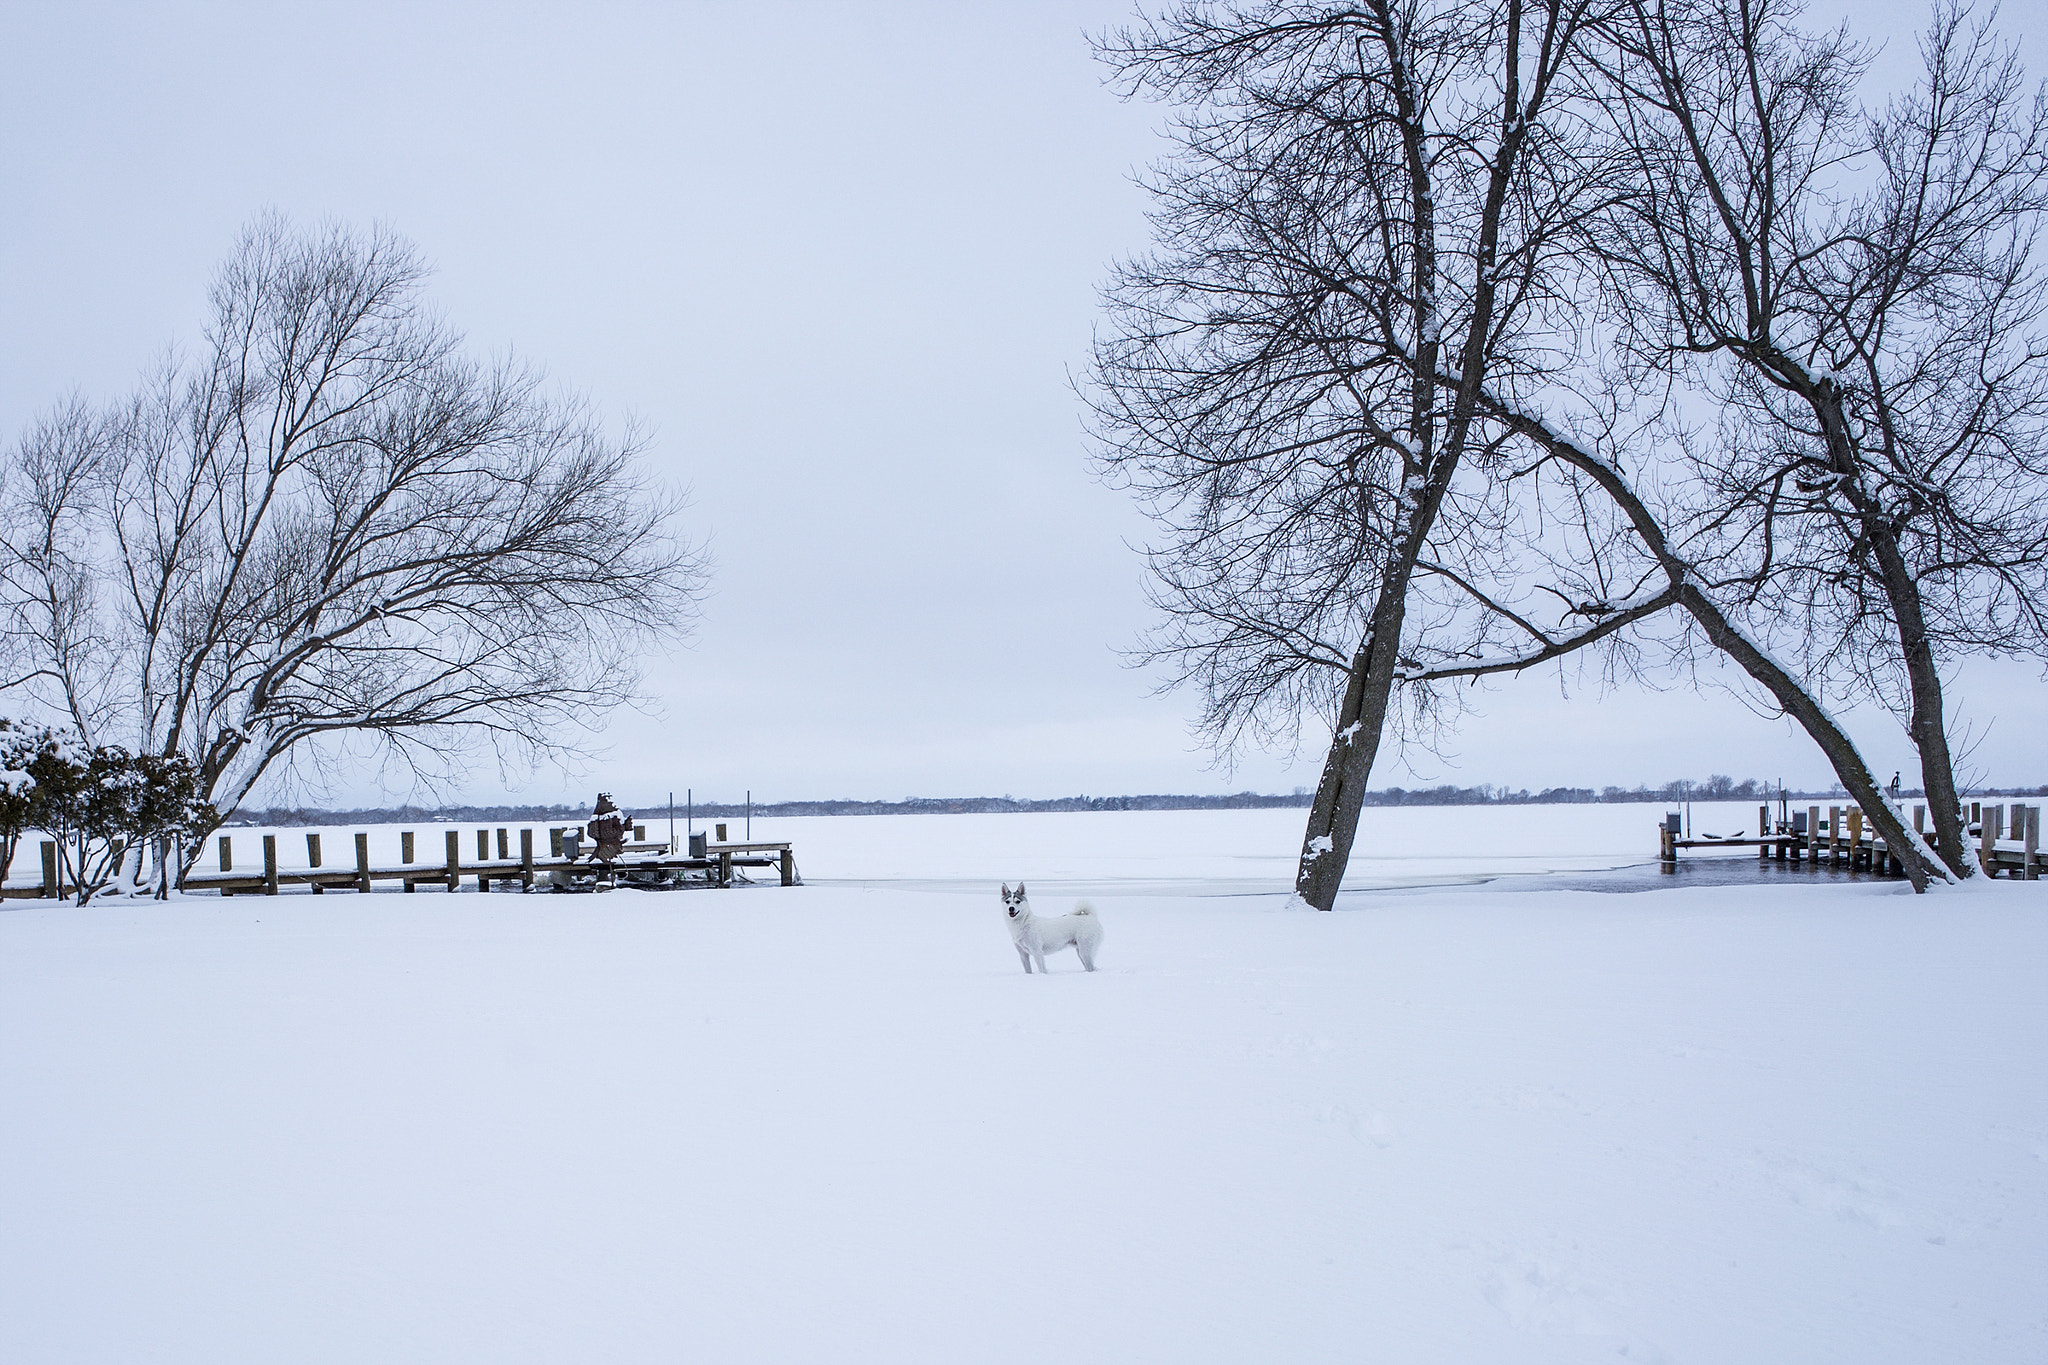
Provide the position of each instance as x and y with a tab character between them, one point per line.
1034	938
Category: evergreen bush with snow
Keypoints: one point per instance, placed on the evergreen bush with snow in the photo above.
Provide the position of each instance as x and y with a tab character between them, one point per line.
115	816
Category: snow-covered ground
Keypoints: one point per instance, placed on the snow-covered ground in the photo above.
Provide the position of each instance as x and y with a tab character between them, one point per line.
1801	1122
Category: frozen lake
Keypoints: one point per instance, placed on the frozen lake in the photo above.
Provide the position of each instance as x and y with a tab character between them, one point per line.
1799	1121
1159	853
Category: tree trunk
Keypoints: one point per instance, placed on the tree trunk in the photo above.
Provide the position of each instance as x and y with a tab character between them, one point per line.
1902	591
1841	751
1340	796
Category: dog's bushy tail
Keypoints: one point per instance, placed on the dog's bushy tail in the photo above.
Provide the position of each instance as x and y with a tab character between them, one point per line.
1084	908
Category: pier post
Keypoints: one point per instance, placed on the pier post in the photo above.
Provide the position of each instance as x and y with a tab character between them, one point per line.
405	856
788	868
526	859
454	842
503	854
555	842
362	862
313	860
1763	832
1856	841
1813	834
53	881
2030	844
270	864
1987	838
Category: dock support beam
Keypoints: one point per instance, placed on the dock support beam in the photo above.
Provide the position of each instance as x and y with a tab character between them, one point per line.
362	862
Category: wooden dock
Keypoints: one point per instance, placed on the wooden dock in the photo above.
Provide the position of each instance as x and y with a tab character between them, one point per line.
1847	839
494	866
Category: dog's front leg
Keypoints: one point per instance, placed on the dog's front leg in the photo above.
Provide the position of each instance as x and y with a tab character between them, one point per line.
1024	956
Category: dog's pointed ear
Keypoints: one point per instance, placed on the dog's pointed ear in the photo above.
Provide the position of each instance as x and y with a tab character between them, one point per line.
1006	890
1020	890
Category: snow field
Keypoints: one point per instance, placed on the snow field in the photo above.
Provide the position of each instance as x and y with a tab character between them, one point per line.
837	1122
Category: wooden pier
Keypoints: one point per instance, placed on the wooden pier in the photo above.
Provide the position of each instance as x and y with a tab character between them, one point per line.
1847	839
495	865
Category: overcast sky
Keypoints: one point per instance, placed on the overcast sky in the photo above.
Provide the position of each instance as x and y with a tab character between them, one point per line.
841	261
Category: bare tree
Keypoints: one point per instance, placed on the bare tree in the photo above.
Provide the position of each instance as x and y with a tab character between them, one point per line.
333	528
1626	537
1362	200
1858	299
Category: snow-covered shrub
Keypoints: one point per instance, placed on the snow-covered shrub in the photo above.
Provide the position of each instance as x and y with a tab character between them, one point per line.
110	810
38	766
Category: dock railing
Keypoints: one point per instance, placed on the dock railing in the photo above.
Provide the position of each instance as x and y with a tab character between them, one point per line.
1846	838
494	867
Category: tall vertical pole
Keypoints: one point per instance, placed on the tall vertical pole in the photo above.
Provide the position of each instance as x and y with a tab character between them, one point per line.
671	822
750	815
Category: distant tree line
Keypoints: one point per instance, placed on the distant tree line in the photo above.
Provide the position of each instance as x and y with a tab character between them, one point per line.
1715	788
